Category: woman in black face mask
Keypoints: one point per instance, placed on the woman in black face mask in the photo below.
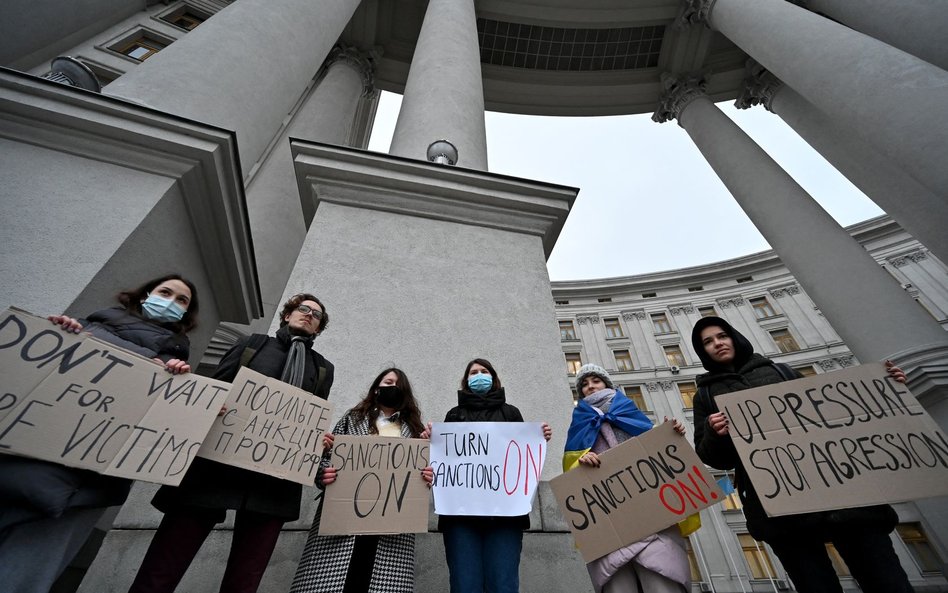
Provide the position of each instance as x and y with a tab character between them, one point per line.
365	563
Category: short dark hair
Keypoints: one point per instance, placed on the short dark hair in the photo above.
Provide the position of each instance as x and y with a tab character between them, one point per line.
132	301
409	413
495	385
295	301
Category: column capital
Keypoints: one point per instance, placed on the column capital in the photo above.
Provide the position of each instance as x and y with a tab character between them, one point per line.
760	87
694	12
363	62
679	92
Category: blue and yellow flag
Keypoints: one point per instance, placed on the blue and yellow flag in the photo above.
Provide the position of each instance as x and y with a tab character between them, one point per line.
584	428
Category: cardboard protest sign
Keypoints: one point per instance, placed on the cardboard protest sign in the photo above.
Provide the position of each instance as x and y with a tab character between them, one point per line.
82	402
849	438
378	487
486	468
644	485
270	427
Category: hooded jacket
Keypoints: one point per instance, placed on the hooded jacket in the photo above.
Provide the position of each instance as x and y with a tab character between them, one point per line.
747	371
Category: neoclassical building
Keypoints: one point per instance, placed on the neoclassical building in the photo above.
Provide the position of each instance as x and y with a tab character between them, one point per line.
226	141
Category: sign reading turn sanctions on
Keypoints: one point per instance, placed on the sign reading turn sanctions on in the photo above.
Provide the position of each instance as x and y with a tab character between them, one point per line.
270	427
378	487
644	485
82	402
486	468
849	438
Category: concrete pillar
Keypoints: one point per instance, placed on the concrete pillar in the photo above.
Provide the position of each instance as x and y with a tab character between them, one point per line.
875	317
36	31
914	26
331	112
895	101
444	94
917	210
247	87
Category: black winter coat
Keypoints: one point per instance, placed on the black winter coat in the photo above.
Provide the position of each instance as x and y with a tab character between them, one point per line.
212	485
754	370
30	487
490	407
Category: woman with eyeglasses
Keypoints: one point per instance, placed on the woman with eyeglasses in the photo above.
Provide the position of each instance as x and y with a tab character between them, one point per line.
47	511
365	563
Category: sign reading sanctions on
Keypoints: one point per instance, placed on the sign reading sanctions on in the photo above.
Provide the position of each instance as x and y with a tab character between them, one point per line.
82	402
486	468
378	489
849	438
644	485
270	427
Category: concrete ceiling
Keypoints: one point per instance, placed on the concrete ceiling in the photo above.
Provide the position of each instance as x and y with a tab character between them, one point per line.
570	57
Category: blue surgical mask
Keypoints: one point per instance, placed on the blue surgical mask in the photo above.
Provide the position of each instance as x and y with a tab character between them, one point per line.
480	383
162	310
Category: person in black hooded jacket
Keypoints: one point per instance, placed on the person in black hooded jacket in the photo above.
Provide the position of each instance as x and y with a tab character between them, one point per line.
860	535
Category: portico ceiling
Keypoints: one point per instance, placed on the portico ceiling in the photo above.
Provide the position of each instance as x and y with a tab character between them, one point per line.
561	57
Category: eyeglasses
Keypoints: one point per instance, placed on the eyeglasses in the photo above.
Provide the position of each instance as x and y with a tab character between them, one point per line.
307	310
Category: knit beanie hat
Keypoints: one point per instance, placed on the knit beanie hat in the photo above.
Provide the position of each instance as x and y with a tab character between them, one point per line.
593	369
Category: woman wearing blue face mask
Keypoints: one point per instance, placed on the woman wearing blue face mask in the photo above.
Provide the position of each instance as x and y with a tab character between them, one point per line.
47	511
483	553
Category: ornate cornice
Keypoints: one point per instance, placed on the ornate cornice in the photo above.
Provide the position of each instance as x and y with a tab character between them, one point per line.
845	361
363	63
914	257
677	310
583	319
679	92
726	303
630	315
694	12
779	293
760	87
654	385
826	365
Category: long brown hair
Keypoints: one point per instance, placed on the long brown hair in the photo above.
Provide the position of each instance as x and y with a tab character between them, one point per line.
495	385
409	413
132	301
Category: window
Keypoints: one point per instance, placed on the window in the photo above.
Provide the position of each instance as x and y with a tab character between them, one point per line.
839	565
744	279
561	302
605	300
688	391
103	75
185	17
693	562
784	340
915	539
762	308
623	360
757	558
573	362
695	288
707	311
140	47
806	370
613	329
660	323
732	502
634	392
674	356
648	295
567	331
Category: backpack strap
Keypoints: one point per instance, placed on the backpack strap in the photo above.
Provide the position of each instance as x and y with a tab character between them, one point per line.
321	371
254	344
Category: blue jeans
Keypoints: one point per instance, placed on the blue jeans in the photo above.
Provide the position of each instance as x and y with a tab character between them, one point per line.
483	558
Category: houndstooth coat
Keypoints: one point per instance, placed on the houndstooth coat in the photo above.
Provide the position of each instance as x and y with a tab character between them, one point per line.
326	558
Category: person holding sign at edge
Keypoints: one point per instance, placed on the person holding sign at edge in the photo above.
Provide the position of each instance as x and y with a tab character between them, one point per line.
860	535
365	563
263	503
47	511
605	418
483	553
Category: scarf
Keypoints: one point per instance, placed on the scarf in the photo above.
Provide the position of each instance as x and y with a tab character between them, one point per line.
620	412
294	369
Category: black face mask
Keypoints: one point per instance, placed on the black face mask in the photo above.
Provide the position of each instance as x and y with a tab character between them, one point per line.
390	396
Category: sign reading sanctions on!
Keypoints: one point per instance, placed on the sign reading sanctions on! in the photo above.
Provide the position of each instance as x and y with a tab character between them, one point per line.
853	437
82	402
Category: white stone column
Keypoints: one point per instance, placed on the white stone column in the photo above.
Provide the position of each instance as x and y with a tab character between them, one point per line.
895	101
253	60
444	94
917	210
872	313
915	26
641	342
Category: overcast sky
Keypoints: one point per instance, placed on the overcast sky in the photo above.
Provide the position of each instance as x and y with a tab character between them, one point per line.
648	200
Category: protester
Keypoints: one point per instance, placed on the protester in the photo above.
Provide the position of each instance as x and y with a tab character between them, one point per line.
860	535
483	553
47	511
263	503
602	419
365	563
